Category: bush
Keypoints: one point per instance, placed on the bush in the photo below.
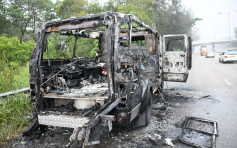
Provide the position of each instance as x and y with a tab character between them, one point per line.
6	75
14	74
12	79
14	52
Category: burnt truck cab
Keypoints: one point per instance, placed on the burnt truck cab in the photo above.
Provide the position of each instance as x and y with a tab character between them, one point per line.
111	86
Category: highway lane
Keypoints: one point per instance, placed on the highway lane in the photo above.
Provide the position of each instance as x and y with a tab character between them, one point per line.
209	77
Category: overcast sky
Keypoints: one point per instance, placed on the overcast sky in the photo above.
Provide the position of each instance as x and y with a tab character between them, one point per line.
214	26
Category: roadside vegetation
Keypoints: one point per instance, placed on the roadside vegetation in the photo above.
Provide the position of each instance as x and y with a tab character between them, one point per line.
14	112
19	21
14	69
14	74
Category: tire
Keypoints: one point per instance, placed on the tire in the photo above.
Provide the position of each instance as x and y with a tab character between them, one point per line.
161	84
220	60
75	144
148	109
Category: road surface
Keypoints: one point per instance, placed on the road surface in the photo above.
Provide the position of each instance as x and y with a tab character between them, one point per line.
209	77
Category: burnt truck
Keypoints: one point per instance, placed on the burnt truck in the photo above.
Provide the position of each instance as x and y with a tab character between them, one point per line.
114	87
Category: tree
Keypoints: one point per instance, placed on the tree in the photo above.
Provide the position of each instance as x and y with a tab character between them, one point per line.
94	8
68	8
139	8
171	17
4	22
28	14
110	5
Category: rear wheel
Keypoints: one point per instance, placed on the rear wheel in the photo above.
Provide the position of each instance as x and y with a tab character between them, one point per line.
75	144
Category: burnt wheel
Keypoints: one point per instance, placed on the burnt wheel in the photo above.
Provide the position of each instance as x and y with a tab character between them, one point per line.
148	109
75	144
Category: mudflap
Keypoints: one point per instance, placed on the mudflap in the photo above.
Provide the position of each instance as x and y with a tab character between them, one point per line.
145	116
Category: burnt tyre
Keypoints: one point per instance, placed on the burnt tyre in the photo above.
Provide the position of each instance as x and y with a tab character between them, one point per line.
161	83
148	109
75	144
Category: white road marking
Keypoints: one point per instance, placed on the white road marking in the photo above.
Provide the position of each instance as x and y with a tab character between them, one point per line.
227	82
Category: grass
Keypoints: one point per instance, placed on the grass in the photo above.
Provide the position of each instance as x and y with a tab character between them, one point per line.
13	112
21	78
13	109
12	79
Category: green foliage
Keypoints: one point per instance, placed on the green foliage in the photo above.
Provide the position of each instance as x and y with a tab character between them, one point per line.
163	15
95	48
86	47
6	75
59	46
12	79
172	18
16	53
14	56
139	8
95	8
110	6
21	77
13	115
18	17
4	22
68	8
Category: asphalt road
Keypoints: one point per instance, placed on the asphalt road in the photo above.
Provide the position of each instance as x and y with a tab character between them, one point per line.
209	77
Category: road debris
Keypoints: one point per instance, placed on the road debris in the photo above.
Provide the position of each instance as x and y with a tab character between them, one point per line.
169	142
209	97
199	132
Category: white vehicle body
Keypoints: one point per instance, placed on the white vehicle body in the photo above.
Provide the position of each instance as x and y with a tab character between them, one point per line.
177	57
210	54
228	56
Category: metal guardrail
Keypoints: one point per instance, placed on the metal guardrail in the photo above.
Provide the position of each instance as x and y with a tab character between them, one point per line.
14	92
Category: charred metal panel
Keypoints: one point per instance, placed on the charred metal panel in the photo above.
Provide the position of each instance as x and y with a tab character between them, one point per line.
175	77
62	120
176	59
83	25
175	62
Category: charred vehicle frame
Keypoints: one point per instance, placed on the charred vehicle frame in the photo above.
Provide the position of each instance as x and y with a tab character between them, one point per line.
93	94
